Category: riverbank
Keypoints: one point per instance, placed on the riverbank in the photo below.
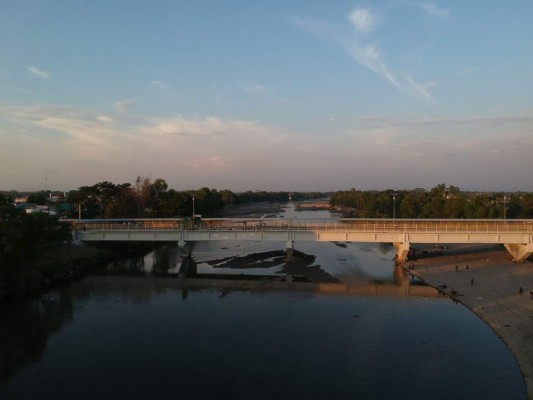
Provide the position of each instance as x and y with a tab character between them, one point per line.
271	209
488	283
255	209
62	263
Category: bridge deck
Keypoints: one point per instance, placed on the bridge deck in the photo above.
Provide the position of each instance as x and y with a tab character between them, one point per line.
516	235
412	231
338	225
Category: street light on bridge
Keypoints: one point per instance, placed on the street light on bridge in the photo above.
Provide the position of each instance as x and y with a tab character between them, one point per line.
505	198
394	208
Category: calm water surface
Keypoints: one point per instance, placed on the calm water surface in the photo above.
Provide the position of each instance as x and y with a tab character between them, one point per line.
142	337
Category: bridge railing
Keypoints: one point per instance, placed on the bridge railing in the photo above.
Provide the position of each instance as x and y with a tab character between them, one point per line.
339	225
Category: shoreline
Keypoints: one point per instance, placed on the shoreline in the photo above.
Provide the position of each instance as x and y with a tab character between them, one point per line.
489	287
257	209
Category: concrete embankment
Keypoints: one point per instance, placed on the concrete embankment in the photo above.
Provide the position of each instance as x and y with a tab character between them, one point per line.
500	292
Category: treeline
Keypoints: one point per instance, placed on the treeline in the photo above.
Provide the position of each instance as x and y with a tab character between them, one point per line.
146	198
440	202
24	238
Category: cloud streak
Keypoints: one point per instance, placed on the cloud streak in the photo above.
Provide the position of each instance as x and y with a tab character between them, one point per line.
39	73
434	10
490	120
160	85
88	146
369	54
256	90
364	20
123	105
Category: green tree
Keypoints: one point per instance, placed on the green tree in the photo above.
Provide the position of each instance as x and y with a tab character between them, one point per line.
409	206
38	198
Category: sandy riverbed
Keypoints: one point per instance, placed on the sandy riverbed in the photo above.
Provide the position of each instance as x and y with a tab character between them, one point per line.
490	287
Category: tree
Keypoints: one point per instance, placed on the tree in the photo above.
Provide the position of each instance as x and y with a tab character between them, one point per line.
141	194
409	206
23	239
38	198
157	193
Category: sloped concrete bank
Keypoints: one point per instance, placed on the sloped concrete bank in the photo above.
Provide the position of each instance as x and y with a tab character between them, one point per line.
500	292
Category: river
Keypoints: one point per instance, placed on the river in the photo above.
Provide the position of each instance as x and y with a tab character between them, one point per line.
132	332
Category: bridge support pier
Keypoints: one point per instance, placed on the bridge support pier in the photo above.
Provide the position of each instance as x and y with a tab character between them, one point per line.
520	252
185	248
289	249
402	250
187	269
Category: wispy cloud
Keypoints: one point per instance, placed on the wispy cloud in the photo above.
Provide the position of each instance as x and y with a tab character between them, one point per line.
220	152
364	20
421	88
123	105
256	90
38	72
160	85
466	71
433	9
358	44
371	57
104	118
481	120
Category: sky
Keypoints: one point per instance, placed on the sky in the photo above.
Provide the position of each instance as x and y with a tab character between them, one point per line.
267	95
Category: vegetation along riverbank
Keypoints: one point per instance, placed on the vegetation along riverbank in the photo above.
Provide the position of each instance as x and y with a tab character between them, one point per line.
36	251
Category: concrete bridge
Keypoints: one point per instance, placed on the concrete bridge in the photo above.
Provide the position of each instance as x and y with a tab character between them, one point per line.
515	235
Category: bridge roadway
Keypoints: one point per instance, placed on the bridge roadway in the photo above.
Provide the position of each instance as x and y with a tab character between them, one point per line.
515	235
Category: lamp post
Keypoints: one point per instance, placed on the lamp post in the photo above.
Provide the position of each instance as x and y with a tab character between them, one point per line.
394	208
505	198
193	207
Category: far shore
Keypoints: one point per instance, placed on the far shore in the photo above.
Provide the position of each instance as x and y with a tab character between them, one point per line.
495	288
252	209
269	209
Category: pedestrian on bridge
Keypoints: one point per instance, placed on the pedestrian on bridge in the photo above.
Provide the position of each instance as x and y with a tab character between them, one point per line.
472	282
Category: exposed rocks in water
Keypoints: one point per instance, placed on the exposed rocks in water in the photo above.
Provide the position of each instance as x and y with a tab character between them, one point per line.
343	245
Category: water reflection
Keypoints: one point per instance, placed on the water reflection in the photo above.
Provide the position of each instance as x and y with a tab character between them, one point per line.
239	320
113	337
271	269
25	327
164	260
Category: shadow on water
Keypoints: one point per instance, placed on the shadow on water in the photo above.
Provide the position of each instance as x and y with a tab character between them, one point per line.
26	326
161	261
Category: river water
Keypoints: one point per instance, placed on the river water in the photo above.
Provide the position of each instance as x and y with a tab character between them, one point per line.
133	332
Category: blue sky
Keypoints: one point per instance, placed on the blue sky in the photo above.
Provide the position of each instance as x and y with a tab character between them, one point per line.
273	95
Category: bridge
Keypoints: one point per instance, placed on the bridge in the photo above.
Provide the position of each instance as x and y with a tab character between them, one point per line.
515	235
